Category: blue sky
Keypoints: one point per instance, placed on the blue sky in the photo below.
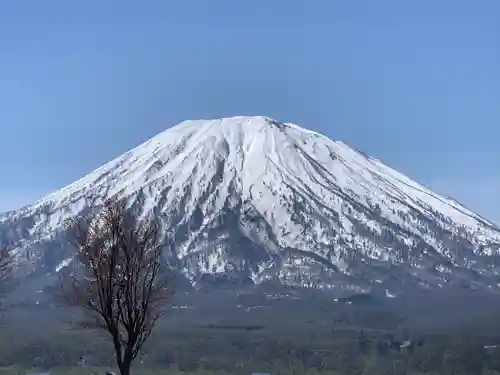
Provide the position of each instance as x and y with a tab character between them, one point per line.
414	83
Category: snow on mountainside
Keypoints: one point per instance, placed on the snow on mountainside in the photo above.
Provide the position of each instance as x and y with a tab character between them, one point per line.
252	198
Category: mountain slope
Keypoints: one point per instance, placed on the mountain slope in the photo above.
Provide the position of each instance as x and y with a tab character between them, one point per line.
257	199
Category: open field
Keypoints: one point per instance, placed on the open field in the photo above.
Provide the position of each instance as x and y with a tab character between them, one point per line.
226	333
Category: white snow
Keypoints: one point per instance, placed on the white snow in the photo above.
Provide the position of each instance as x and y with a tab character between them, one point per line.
63	264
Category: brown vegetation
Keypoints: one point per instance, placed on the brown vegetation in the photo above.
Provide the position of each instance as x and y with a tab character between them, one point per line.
118	277
6	263
6	266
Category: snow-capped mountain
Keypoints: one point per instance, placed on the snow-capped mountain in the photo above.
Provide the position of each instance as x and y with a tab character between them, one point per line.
251	198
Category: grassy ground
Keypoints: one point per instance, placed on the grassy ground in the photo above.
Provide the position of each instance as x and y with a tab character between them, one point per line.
140	371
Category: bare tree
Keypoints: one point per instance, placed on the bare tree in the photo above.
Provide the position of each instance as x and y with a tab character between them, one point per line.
6	263
6	266
119	278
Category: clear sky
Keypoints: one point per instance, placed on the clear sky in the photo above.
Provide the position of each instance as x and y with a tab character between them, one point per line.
413	83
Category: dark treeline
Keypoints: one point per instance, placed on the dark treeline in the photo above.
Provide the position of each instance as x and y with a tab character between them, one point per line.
254	334
299	349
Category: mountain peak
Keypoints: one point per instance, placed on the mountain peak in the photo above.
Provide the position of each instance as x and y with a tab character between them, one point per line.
265	200
240	119
248	119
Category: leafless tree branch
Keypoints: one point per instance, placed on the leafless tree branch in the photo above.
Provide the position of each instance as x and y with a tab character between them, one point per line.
7	260
119	278
6	263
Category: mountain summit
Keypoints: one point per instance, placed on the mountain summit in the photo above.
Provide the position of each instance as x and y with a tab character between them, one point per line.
253	199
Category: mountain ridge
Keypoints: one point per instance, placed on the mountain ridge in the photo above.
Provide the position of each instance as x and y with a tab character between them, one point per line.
256	198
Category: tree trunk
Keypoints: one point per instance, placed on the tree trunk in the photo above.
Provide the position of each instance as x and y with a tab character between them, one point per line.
125	368
125	365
